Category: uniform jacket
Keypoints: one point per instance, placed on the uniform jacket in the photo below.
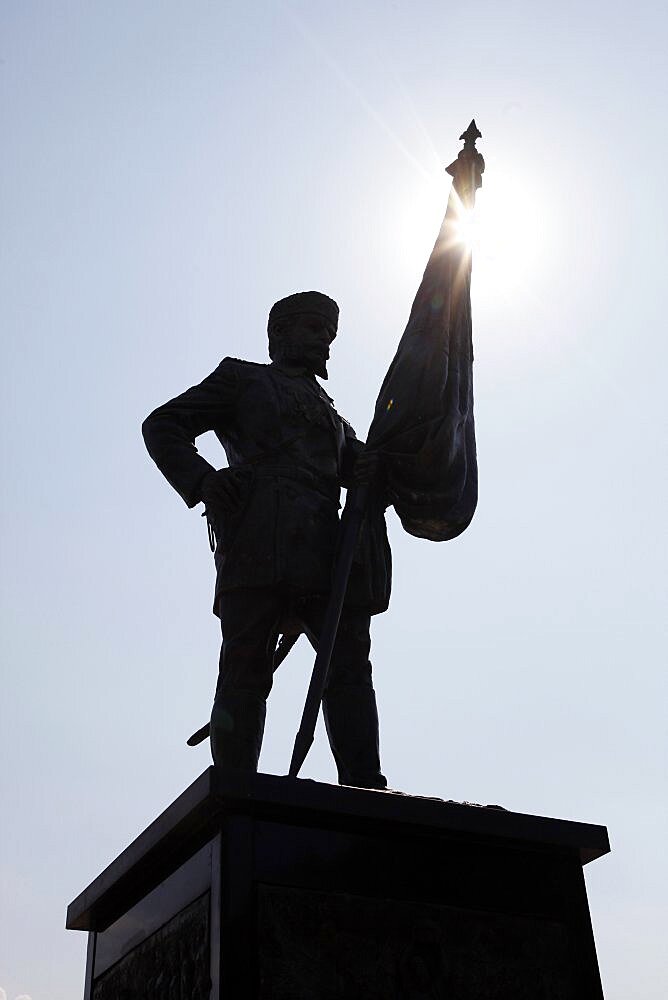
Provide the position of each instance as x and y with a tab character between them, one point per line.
293	452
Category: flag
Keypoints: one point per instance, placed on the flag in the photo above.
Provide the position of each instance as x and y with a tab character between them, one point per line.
423	421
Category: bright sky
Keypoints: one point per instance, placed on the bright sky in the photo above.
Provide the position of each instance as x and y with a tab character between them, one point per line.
169	170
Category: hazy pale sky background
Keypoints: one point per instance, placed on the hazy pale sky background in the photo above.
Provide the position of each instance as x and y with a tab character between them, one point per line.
169	169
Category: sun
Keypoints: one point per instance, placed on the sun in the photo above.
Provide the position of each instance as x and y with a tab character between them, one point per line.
508	231
512	232
466	227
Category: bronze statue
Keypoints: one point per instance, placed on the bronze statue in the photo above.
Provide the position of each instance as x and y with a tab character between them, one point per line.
285	562
274	517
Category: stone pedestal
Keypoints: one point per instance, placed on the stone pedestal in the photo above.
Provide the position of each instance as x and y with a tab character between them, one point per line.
254	886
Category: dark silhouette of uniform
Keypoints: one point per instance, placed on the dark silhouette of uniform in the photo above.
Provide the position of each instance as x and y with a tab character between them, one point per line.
290	453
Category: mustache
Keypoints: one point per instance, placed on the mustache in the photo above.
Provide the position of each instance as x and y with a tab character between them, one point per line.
294	347
314	358
299	352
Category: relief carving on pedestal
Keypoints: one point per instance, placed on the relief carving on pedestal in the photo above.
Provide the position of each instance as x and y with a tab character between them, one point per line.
173	962
335	946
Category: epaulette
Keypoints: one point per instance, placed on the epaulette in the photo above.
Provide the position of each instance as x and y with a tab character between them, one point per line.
241	361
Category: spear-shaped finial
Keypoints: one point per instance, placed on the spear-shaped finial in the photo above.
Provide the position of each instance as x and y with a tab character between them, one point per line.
471	135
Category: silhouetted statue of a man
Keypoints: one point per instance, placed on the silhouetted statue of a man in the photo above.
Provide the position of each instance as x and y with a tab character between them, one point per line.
274	514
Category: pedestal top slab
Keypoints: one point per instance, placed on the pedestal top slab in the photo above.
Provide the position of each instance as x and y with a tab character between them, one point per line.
200	811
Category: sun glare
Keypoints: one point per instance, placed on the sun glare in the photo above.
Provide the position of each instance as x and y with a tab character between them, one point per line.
510	232
466	227
503	232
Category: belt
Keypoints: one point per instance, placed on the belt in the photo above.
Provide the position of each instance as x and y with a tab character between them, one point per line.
329	487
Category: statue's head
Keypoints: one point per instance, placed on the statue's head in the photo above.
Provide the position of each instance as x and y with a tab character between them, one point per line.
301	327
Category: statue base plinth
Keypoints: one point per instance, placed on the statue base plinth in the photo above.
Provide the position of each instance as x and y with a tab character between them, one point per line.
270	888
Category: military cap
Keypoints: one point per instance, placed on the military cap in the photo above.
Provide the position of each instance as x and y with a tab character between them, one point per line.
305	302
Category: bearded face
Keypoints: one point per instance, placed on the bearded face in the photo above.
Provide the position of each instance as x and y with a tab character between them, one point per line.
303	341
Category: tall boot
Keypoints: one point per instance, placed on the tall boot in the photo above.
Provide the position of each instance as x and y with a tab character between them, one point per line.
237	727
351	720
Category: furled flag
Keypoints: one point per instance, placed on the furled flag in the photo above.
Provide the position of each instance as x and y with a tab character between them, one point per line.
423	422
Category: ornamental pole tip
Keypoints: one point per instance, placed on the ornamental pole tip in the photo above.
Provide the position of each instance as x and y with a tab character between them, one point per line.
471	134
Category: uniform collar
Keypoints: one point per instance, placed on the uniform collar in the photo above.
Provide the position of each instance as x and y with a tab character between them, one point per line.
293	371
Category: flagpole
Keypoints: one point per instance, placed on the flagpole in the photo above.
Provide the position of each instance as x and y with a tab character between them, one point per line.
465	171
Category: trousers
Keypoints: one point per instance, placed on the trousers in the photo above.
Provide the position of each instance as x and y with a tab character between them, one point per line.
252	620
